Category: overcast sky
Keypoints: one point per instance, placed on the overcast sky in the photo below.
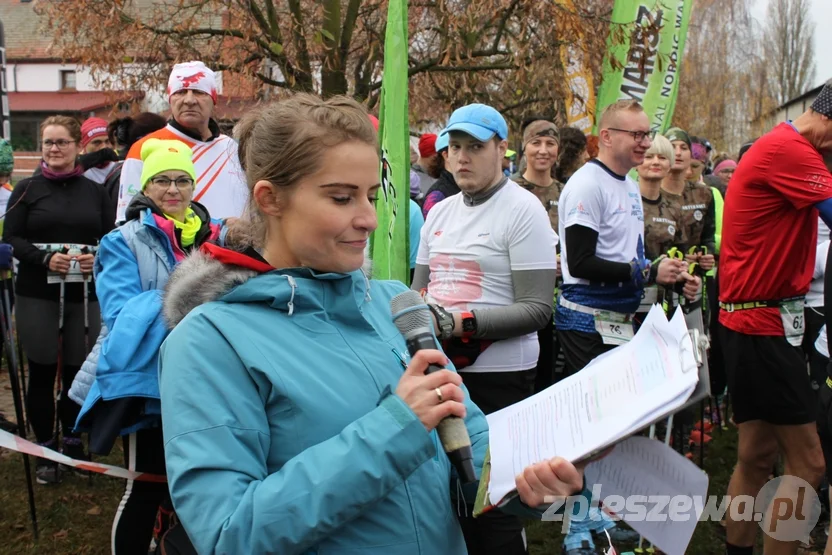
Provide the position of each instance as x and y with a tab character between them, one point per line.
822	14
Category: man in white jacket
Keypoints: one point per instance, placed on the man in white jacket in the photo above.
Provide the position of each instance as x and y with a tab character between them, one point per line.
220	183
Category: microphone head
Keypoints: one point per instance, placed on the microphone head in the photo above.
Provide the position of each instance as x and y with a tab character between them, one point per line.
410	312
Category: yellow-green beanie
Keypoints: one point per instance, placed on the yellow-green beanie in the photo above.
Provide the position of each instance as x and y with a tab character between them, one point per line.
160	156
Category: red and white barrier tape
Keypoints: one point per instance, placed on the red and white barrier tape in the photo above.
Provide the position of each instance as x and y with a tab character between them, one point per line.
16	443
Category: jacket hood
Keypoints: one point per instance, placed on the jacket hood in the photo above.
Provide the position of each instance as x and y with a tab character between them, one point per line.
141	202
215	273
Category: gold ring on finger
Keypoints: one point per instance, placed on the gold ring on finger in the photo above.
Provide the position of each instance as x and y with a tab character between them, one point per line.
439	394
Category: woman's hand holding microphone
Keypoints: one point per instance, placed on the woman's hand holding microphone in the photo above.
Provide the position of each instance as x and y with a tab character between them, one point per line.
432	397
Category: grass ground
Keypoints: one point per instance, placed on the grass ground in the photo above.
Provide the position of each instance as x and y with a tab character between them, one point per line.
75	517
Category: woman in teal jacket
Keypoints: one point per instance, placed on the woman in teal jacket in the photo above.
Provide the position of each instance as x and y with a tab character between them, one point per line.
293	421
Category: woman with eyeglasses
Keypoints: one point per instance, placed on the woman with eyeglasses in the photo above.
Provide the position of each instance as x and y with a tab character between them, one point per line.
45	212
132	267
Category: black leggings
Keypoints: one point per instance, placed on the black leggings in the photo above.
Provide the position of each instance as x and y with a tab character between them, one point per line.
40	400
144	451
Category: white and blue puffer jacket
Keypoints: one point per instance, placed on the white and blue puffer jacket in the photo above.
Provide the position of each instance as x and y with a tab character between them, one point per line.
132	266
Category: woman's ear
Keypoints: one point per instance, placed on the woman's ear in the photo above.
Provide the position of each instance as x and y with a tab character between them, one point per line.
268	198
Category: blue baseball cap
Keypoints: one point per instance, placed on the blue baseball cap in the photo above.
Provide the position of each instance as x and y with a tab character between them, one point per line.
442	141
478	120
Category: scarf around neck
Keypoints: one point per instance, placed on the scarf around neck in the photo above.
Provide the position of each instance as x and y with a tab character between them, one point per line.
189	228
55	176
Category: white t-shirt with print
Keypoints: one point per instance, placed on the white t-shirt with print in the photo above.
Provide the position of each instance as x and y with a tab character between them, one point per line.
596	199
471	252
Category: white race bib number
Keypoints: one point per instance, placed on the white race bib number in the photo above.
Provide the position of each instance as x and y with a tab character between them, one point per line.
615	328
74	274
791	313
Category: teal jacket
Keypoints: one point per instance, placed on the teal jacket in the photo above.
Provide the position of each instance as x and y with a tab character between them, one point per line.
281	431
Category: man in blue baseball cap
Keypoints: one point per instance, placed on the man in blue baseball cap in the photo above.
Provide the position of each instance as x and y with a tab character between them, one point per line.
487	260
478	120
480	132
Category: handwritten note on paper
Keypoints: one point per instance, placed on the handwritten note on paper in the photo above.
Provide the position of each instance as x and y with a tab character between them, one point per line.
654	489
614	396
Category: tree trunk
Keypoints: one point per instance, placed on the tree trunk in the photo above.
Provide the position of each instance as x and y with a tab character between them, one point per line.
333	79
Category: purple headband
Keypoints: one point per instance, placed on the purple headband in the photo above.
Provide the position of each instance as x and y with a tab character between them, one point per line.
698	152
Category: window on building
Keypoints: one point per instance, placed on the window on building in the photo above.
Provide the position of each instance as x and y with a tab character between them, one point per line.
67	79
26	131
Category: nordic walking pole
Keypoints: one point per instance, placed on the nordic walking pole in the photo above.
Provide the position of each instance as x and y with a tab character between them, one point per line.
15	343
18	409
8	336
86	250
60	365
20	358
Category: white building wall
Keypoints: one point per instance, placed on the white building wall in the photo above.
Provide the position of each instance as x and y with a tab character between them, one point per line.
45	77
791	110
38	77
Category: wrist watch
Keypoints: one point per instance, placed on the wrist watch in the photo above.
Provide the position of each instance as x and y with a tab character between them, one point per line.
444	320
469	325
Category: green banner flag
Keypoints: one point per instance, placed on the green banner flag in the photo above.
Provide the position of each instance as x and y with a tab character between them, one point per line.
389	244
643	62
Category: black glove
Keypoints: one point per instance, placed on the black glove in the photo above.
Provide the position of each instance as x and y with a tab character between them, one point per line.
98	158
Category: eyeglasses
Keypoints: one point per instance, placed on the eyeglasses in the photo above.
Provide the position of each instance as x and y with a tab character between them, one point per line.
60	143
638	136
182	183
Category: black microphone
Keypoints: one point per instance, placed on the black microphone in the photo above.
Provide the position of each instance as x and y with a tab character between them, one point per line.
413	319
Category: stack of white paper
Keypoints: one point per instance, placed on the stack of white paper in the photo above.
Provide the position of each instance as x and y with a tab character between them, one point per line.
661	478
616	395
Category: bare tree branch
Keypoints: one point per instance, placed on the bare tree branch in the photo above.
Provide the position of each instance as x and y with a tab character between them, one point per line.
789	47
502	52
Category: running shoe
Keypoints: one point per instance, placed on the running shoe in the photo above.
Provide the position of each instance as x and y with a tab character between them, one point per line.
47	472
